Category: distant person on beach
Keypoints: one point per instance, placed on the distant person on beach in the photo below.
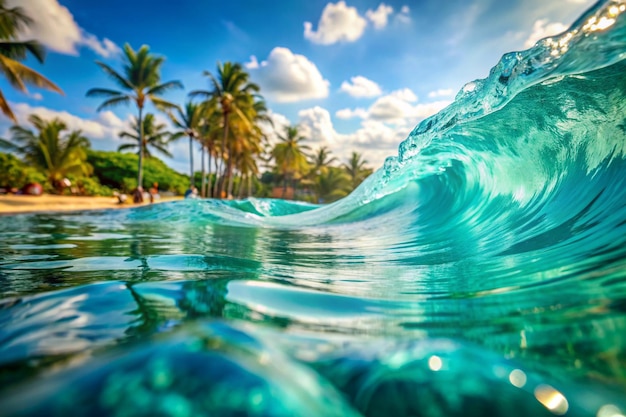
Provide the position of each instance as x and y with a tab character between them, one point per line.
138	195
154	192
192	192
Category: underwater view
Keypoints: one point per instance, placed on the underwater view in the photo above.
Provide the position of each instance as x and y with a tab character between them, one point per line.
480	272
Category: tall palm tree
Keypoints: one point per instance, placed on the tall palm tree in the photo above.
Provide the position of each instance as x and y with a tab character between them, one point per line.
209	132
188	120
155	135
232	90
246	139
356	169
13	50
51	149
140	83
290	155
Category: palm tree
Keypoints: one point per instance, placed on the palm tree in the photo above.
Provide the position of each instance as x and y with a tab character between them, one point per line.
140	84
209	133
155	136
356	169
247	138
331	185
189	120
322	160
232	91
12	51
52	150
290	156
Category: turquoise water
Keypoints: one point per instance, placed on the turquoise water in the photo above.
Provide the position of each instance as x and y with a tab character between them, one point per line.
481	272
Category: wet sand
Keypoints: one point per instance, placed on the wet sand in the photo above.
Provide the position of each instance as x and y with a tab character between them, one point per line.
16	204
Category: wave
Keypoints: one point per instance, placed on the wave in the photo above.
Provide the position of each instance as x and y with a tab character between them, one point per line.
481	271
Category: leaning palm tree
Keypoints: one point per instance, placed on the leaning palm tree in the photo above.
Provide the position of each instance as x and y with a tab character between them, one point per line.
155	136
232	91
51	149
140	82
13	50
290	155
188	120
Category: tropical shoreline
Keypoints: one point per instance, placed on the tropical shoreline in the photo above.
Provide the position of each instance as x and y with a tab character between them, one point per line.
20	204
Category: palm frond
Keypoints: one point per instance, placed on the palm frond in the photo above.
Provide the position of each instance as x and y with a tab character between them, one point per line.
5	109
103	92
127	146
161	104
165	87
19	50
114	102
115	76
18	75
9	146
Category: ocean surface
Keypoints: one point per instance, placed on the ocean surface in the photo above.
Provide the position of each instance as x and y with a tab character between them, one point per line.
480	272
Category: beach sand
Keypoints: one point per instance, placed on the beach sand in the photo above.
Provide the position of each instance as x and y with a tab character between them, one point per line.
15	204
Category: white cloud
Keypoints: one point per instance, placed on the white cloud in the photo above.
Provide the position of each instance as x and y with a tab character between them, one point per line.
55	27
361	87
288	77
350	114
391	109
447	92
105	48
36	96
405	94
404	15
253	64
380	16
397	108
339	23
105	126
376	135
316	125
374	140
543	29
271	131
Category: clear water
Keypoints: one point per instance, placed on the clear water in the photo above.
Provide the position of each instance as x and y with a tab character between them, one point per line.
481	272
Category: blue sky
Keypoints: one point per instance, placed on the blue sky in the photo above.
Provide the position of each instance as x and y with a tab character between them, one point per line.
355	75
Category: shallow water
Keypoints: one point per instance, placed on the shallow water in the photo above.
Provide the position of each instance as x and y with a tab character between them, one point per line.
482	271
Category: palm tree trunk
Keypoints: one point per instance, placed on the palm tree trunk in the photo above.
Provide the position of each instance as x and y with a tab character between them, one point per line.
191	179
218	169
203	184
209	189
141	146
229	171
224	138
249	185
241	187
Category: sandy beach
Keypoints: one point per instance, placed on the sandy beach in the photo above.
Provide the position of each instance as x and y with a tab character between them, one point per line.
16	204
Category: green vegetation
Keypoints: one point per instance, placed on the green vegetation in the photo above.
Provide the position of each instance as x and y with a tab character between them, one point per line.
16	174
119	170
52	150
224	121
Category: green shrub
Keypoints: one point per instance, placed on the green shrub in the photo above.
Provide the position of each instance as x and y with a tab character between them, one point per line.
117	170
